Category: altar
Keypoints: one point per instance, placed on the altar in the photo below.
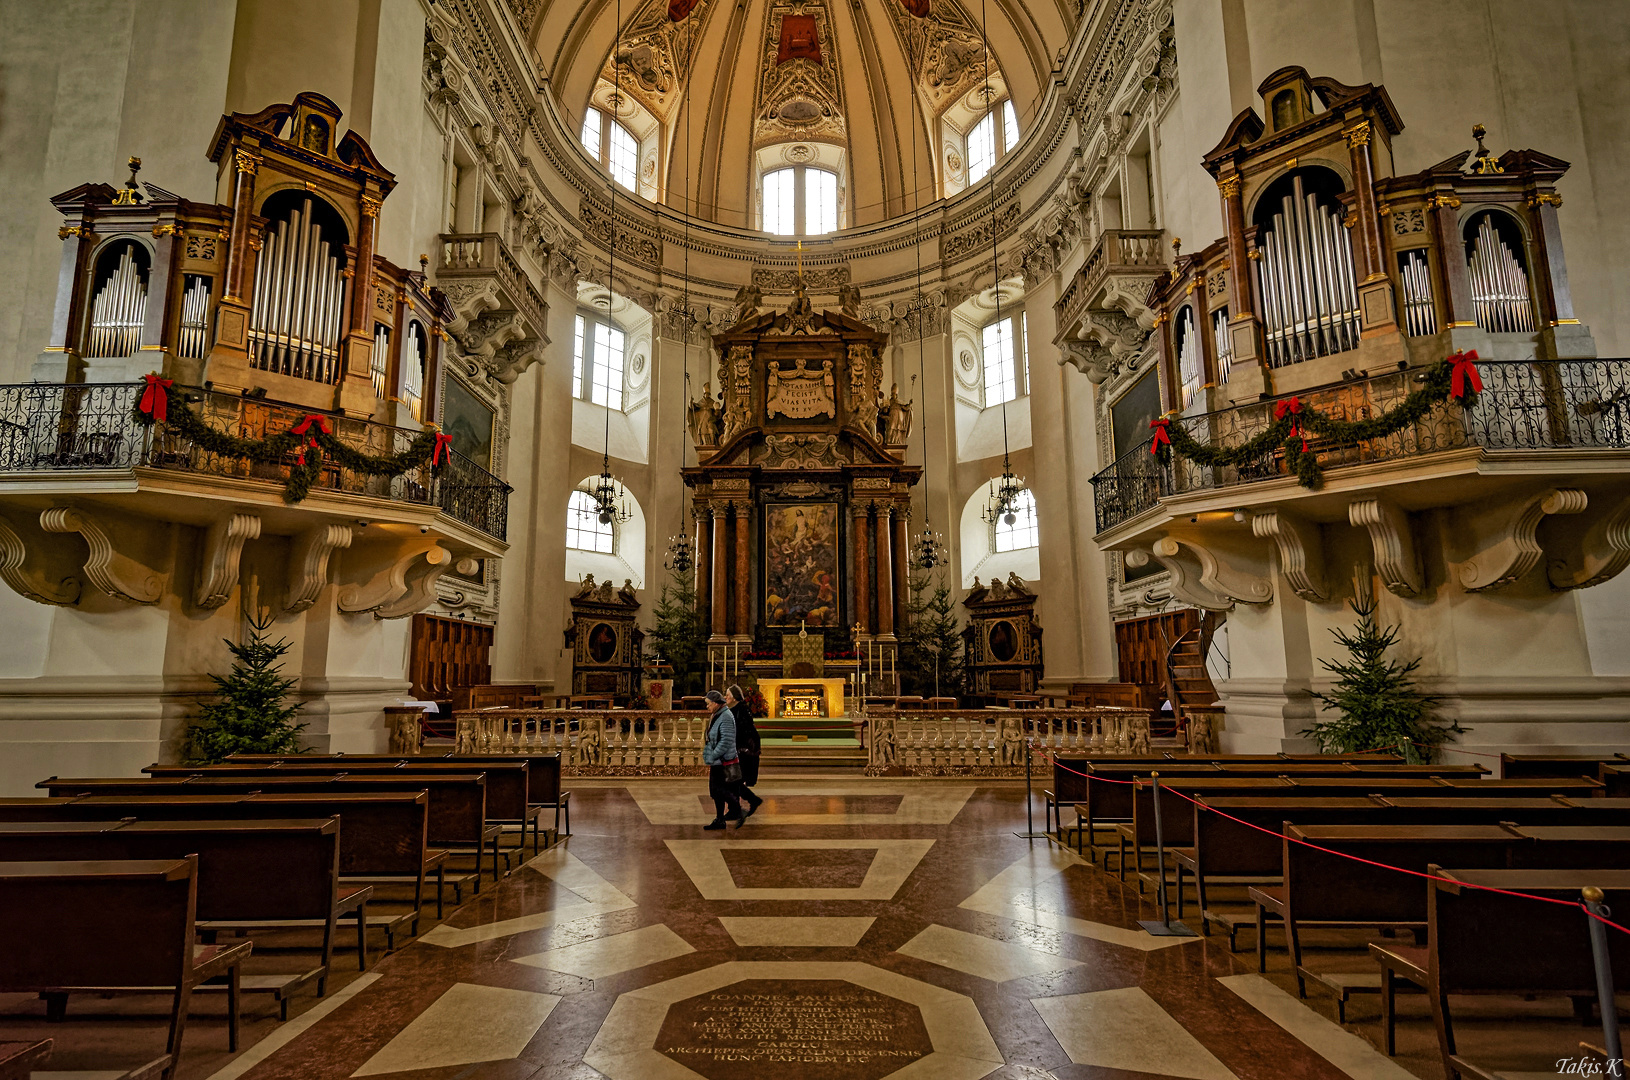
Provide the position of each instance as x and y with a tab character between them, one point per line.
802	698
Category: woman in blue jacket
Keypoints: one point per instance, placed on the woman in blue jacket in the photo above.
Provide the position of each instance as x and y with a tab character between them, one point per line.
719	752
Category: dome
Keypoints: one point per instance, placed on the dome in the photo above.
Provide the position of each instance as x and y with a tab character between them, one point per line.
728	94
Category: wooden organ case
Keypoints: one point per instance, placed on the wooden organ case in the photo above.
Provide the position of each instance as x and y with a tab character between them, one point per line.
1334	265
1001	645
802	493
260	292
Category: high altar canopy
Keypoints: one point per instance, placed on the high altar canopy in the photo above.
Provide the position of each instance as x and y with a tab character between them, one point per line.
802	493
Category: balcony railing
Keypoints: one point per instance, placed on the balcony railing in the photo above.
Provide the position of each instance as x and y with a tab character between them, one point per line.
92	427
1525	405
482	254
1118	251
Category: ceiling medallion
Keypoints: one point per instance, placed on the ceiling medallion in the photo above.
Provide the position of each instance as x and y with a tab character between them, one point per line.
800	152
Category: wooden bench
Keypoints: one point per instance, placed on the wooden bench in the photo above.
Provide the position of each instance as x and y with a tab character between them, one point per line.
142	913
252	875
543	777
1487	943
382	835
1565	765
457	807
508	785
1227	847
1326	889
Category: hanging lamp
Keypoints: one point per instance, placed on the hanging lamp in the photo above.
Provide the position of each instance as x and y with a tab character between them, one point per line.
1003	498
681	553
610	498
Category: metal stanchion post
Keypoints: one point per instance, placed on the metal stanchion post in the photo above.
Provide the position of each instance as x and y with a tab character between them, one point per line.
1163	926
1030	832
1604	979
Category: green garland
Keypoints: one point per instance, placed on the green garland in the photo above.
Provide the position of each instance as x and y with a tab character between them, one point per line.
277	449
1435	390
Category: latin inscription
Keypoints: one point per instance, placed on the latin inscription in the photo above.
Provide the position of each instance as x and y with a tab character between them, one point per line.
845	1032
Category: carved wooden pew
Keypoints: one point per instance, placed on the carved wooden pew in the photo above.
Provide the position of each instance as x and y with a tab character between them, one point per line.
252	875
143	915
1563	765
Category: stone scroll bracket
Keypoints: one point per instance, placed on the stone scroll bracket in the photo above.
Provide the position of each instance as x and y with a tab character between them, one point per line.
35	566
219	560
111	570
1204	576
1397	562
1226	567
392	577
1301	552
1592	548
308	564
1505	536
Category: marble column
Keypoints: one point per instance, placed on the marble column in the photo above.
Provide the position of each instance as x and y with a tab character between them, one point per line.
721	577
1368	261
744	588
902	557
704	563
863	585
885	576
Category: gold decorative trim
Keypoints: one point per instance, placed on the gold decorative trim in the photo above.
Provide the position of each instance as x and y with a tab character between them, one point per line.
247	163
166	229
370	206
1228	186
81	231
1450	201
1359	134
1544	198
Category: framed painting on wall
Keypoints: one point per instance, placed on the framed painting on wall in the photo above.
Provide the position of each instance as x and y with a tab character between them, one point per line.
801	564
468	421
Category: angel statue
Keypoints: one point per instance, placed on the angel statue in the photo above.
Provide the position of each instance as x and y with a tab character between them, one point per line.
748	298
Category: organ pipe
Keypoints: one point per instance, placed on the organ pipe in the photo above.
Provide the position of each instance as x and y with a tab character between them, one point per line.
1499	285
1189	366
119	310
1224	346
413	373
1419	316
192	341
378	366
298	300
1305	276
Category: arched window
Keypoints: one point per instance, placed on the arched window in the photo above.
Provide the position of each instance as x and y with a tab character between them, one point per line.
800	200
597	361
584	529
613	146
1022	533
982	140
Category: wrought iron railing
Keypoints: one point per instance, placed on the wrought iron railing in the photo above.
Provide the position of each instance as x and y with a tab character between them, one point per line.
1525	405
82	427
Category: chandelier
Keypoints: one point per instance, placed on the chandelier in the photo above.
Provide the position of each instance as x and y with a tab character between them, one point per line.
928	550
610	499
1004	497
680	558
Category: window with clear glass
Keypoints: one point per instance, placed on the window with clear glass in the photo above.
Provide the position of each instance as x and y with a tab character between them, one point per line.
982	148
800	201
613	146
1001	381
1010	126
1023	532
597	362
584	529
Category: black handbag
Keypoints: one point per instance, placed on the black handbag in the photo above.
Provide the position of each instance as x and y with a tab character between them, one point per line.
732	771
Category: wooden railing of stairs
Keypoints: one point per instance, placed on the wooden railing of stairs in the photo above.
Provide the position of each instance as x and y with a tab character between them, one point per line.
1187	680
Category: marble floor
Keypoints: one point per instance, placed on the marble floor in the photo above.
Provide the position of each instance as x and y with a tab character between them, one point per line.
852	930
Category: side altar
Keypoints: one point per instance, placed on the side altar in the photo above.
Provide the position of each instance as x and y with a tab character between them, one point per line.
801	493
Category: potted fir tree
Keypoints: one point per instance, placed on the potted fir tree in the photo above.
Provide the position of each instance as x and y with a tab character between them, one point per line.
251	713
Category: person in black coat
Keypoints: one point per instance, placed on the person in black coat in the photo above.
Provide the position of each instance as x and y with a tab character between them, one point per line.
748	746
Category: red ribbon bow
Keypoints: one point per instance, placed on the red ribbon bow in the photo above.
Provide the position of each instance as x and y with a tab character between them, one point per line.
304	428
1163	435
1463	378
443	448
155	399
1292	409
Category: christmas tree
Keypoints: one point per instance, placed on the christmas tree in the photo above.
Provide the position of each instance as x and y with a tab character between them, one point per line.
931	644
678	636
1376	700
251	713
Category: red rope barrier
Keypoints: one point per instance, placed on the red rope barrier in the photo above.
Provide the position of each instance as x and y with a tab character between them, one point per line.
1139	782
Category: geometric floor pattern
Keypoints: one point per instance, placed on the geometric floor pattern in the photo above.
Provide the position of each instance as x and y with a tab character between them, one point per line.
858	932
